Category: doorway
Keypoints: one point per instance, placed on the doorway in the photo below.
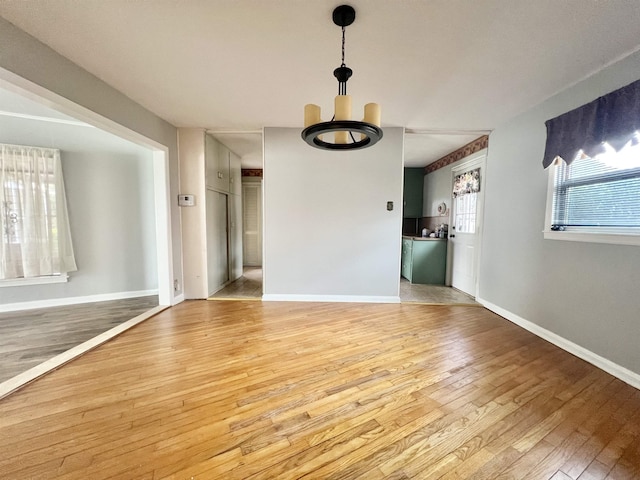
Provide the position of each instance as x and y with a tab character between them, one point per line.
252	223
160	160
465	233
249	285
111	146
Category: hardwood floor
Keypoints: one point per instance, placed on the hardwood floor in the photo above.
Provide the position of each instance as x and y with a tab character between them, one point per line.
262	390
30	337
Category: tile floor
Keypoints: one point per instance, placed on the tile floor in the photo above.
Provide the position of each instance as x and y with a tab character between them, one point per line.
249	286
433	294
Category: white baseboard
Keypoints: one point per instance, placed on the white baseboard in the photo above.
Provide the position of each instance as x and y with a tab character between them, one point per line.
22	379
178	299
58	302
607	365
329	298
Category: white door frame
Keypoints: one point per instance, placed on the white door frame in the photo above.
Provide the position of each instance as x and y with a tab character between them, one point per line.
15	83
478	159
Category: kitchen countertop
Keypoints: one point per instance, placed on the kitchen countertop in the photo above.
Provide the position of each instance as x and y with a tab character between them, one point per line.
422	238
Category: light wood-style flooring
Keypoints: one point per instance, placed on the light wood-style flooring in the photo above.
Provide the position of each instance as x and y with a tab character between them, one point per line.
30	337
266	390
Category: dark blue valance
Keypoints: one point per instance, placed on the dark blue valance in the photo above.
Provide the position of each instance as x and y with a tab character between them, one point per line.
612	118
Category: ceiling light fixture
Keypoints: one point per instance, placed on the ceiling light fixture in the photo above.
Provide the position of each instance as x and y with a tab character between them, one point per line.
344	129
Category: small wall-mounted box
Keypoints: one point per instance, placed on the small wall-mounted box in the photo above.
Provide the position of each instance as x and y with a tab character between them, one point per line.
186	200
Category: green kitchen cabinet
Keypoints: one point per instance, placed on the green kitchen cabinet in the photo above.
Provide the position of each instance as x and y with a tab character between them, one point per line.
413	192
407	245
424	260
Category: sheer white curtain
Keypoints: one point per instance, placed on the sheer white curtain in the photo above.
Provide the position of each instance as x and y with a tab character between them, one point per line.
34	224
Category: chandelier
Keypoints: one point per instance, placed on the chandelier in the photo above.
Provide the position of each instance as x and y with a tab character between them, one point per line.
347	134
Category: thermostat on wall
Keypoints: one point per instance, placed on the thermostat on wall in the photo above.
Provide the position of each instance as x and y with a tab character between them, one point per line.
186	200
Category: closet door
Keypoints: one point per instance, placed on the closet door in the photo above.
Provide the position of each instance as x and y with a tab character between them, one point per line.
252	224
235	236
217	241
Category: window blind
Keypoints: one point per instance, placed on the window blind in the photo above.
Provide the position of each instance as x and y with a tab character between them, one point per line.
596	192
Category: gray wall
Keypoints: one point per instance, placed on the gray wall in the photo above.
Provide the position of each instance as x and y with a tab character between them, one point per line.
30	59
111	211
584	292
327	231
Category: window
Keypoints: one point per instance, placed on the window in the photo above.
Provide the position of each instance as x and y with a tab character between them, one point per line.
35	239
465	198
594	179
596	199
465	213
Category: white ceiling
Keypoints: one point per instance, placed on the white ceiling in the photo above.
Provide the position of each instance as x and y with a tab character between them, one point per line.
447	69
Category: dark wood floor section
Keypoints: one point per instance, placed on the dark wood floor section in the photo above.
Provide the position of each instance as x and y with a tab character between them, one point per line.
242	389
29	337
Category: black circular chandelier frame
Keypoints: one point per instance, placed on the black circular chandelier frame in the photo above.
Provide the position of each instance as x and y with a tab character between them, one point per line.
372	134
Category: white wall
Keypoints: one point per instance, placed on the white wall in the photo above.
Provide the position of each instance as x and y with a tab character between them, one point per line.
585	293
194	219
437	189
26	57
327	231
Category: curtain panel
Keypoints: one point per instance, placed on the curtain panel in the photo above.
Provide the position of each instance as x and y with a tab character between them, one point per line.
35	238
612	118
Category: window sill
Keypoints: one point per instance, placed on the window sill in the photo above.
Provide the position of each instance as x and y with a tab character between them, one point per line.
20	282
610	238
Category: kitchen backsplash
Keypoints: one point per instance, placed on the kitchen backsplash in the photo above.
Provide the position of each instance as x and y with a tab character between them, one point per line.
431	223
414	226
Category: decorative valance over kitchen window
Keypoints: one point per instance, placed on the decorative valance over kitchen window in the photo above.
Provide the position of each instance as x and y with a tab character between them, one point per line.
467	182
613	118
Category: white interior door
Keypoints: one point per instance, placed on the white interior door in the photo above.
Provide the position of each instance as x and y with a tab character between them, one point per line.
465	229
252	224
217	241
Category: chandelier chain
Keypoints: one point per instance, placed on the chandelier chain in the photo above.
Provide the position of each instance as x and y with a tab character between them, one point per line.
343	64
342	84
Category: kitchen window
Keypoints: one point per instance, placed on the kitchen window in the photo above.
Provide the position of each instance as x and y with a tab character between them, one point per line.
465	198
